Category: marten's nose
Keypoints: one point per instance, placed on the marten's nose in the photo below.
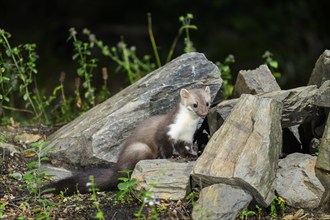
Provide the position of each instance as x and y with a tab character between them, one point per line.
203	113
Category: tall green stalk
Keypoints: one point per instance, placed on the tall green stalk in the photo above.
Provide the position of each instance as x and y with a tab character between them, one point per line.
153	42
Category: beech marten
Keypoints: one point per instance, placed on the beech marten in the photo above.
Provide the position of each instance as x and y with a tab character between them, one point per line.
156	137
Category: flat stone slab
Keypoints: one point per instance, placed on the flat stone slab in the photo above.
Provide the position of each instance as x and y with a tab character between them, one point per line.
166	179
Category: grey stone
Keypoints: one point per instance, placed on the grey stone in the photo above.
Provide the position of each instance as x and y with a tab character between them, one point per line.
321	71
257	81
298	107
55	172
322	167
96	136
323	159
220	201
7	148
166	179
322	98
296	182
218	114
245	150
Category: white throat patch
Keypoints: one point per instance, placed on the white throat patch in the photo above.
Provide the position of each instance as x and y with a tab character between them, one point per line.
184	125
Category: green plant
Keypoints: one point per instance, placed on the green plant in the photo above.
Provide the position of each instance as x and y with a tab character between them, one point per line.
86	65
126	191
2	207
124	57
17	71
96	202
44	209
259	211
272	64
192	197
246	213
3	139
278	203
104	91
34	178
149	199
153	42
186	26
225	70
63	110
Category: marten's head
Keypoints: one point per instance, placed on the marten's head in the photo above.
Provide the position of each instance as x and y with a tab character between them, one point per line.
196	100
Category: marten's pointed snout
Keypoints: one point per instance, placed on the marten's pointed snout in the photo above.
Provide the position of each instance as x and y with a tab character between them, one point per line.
203	113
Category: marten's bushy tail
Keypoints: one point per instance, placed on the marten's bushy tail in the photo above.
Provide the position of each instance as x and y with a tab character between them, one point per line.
105	179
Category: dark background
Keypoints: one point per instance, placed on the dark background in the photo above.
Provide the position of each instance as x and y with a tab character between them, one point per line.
295	31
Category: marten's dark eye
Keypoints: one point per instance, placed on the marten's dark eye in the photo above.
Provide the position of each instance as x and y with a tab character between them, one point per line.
207	104
195	105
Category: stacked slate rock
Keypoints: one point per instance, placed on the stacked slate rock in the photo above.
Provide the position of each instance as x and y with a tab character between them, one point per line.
231	159
260	145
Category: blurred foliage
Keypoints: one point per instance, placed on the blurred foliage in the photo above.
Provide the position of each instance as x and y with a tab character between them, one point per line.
295	31
18	65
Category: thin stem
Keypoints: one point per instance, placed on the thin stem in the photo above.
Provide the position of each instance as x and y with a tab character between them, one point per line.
63	94
188	43
153	42
127	64
40	102
16	109
170	53
9	48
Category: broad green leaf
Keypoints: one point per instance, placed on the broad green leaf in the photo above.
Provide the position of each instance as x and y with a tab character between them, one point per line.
273	64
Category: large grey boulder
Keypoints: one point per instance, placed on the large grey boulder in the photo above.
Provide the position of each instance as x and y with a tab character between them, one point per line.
95	137
296	182
220	201
245	150
321	71
165	178
298	107
257	81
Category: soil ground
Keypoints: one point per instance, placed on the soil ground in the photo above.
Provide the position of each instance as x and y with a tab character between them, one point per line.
17	202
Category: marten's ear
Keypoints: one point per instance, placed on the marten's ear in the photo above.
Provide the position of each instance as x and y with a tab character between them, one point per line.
207	90
184	93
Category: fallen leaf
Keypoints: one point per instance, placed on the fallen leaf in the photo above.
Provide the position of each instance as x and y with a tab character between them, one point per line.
26	138
299	213
29	154
289	217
